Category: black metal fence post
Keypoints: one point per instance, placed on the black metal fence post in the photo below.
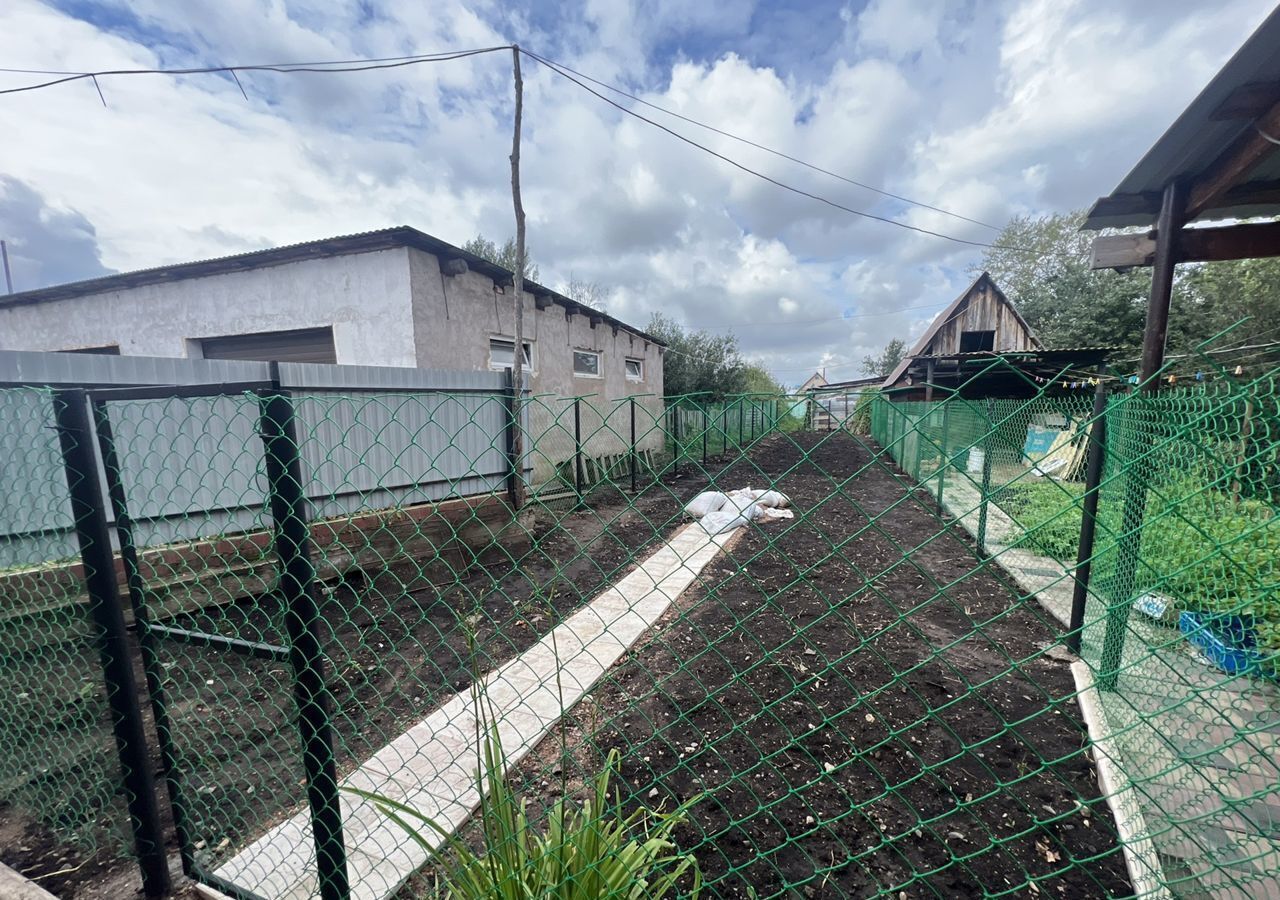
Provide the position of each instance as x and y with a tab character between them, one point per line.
988	445
151	665
509	437
945	462
577	445
296	587
76	438
675	459
1089	515
706	426
740	424
633	445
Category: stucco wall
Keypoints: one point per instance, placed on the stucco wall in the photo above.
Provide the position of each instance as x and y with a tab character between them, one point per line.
363	296
455	316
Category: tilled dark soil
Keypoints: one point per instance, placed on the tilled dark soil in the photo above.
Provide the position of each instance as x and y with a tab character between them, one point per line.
394	654
864	708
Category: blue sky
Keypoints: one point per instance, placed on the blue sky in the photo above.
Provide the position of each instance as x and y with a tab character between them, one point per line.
992	109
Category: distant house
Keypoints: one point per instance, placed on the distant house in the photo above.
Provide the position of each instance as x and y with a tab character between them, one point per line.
813	382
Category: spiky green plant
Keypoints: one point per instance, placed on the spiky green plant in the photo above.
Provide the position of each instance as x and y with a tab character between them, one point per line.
587	852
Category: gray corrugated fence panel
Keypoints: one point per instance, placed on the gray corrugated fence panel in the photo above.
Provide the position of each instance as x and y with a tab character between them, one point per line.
320	377
29	367
36	368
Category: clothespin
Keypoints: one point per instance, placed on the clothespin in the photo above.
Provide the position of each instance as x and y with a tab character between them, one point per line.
1133	379
1239	370
1199	376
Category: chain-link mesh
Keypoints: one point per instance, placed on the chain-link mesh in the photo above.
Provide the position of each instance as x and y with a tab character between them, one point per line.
62	805
865	693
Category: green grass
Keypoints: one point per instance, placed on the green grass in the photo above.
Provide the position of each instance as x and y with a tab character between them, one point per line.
1208	550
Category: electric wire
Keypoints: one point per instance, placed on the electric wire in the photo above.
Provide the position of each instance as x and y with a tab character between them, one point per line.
759	146
750	171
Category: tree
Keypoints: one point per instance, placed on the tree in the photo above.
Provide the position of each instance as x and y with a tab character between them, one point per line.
504	256
1042	265
698	362
887	360
757	380
588	293
1070	305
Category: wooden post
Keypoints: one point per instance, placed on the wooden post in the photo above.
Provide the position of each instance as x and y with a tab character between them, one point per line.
517	446
1119	591
928	379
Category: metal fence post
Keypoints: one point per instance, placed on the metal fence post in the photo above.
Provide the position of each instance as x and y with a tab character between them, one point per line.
151	665
946	460
296	588
740	424
675	460
988	444
1089	515
706	426
633	445
509	439
1119	588
577	445
76	438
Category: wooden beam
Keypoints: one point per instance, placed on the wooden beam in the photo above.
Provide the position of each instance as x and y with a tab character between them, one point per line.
1249	193
541	301
1257	240
1155	333
1235	163
1248	101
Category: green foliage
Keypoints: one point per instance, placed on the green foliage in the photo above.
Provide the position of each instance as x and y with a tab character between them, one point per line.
587	852
757	380
860	419
1049	513
504	256
886	360
1070	305
698	362
1206	550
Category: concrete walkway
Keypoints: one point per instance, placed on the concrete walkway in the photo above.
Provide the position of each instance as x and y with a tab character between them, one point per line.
431	767
1198	750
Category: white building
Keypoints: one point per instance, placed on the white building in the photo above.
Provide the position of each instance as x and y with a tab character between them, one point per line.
396	297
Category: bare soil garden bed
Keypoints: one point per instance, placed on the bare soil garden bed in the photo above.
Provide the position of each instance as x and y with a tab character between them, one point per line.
861	711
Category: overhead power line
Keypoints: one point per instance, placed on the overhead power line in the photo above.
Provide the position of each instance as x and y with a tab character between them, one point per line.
750	171
759	146
358	65
345	65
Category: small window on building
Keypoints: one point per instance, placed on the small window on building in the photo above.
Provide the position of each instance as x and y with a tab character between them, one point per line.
635	369
586	363
977	341
104	350
502	355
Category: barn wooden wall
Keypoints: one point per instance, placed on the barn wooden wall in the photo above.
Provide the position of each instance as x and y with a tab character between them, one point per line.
982	312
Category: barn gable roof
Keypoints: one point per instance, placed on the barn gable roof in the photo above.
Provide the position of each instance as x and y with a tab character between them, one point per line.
959	305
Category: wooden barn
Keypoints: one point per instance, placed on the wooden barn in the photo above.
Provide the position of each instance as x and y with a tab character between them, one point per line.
980	346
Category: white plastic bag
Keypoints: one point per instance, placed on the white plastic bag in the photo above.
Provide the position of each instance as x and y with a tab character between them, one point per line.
773	500
706	502
724	520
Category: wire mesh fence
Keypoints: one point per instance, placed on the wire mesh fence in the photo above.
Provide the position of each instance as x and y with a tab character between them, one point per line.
856	689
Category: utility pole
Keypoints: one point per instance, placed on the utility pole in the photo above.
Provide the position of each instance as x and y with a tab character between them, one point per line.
8	277
517	368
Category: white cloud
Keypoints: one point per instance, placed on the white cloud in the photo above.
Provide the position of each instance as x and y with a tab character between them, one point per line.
1001	108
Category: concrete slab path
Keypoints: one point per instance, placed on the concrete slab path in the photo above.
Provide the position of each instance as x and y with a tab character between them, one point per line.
431	767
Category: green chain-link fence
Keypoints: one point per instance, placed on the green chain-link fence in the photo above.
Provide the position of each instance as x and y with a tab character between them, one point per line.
866	693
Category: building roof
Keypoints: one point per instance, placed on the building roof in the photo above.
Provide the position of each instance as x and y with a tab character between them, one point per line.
850	384
947	315
1225	112
364	242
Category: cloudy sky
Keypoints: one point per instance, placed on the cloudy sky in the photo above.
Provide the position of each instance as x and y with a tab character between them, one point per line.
989	109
